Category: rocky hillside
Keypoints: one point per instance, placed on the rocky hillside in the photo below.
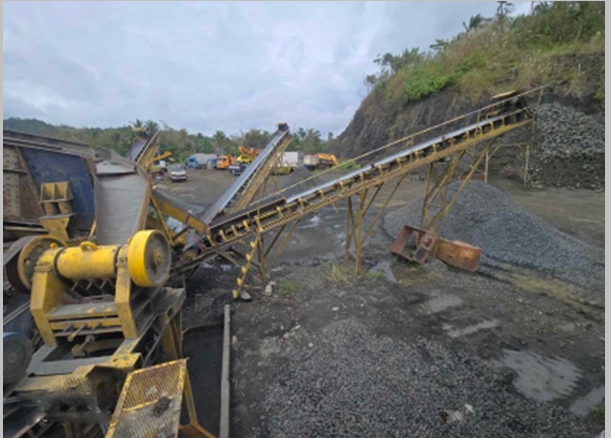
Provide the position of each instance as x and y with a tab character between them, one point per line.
567	143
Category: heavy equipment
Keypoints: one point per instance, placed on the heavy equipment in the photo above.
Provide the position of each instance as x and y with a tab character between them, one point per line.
224	161
320	161
106	298
104	305
247	155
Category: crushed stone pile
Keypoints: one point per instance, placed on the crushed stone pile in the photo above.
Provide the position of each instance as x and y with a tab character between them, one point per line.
355	384
486	217
566	132
569	150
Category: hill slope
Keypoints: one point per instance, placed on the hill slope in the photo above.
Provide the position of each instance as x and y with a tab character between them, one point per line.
560	44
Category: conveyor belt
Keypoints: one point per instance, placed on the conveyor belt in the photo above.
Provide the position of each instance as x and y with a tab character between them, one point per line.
251	172
276	212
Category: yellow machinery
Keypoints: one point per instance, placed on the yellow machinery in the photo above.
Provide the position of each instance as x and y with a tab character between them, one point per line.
327	160
102	311
163	156
247	155
320	161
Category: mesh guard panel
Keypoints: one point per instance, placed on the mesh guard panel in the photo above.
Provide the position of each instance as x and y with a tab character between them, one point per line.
150	402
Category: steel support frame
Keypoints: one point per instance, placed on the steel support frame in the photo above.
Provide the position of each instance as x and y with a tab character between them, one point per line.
171	342
524	147
260	255
436	205
356	234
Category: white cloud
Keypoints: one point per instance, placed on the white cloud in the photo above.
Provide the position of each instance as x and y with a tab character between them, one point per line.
208	65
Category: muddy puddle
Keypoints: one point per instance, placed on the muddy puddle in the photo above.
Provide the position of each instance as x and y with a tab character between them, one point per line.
538	377
582	406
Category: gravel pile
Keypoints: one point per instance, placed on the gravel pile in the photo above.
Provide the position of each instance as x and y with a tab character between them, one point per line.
569	148
354	383
568	133
486	217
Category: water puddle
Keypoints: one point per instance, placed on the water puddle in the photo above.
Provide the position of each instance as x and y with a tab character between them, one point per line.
455	333
384	266
538	377
583	406
439	303
312	222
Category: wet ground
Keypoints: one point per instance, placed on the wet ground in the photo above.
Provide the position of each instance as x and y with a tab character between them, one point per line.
554	351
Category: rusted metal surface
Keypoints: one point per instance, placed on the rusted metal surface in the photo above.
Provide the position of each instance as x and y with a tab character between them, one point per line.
452	252
20	195
424	244
458	254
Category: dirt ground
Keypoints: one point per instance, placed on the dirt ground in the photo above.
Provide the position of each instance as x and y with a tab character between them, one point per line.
555	351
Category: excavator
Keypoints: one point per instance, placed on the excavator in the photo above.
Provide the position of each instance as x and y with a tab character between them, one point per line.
247	155
320	161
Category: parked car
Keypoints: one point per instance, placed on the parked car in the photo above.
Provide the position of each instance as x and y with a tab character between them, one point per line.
237	169
177	172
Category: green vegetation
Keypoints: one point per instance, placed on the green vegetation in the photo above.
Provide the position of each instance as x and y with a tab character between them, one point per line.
179	142
347	165
339	273
342	273
500	53
287	288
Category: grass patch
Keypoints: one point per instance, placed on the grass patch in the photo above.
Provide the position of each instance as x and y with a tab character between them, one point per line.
342	273
347	165
373	276
289	288
339	273
415	274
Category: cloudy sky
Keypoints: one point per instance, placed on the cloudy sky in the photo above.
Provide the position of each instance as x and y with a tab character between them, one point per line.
208	66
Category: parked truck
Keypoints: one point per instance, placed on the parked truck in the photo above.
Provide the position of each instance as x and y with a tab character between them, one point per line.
288	162
199	161
224	161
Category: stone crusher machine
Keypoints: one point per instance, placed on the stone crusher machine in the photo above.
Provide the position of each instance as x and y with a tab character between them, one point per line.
108	305
109	321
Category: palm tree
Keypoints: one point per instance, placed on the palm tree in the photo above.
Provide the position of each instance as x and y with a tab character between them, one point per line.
151	127
474	22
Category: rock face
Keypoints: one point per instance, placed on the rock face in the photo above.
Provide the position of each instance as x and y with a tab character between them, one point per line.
566	144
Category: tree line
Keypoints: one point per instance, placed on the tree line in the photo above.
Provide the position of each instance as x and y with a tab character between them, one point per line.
179	142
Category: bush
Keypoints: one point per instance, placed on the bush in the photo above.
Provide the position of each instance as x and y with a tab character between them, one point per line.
424	81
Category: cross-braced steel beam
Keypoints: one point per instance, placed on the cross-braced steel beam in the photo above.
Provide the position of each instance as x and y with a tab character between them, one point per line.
260	255
356	233
436	204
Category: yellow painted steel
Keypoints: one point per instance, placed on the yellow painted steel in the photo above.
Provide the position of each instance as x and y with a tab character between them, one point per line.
88	261
47	294
123	288
56	225
148	258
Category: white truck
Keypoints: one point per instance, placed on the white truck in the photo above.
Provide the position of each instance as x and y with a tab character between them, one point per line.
291	160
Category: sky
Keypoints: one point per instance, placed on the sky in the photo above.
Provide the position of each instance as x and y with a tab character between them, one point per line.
208	66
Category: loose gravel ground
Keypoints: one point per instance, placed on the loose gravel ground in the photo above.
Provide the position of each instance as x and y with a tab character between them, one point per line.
486	217
354	383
